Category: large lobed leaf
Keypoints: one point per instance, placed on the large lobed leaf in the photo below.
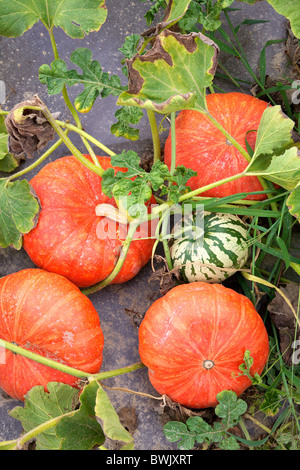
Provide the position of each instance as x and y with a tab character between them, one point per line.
274	132
40	407
95	81
174	74
275	158
76	17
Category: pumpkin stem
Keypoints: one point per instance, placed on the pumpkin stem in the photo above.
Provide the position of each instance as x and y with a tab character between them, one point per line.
208	364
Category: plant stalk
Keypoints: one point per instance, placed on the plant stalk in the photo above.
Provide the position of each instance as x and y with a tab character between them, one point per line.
173	144
65	368
96	169
155	136
87	136
38	161
70	104
126	244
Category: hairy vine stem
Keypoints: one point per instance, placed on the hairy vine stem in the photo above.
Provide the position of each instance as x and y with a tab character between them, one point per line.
64	367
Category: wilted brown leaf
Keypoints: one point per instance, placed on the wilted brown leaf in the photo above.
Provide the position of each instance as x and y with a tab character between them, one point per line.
28	129
293	49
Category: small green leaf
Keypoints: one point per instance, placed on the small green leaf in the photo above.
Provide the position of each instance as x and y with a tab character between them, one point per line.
18	212
175	10
271	403
129	160
7	162
173	74
202	429
129	47
3	145
127	115
76	17
175	431
133	188
41	406
81	431
109	418
230	408
229	443
57	76
293	202
95	81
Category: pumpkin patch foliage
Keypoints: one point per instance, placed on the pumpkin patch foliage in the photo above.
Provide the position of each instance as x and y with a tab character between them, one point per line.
218	198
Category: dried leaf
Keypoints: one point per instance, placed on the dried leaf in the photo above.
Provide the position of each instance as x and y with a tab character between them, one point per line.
292	48
284	319
167	279
28	129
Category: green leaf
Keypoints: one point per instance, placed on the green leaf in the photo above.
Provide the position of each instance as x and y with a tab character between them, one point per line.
229	443
81	431
271	402
175	431
109	418
3	145
7	161
274	132
127	115
283	169
41	406
293	202
129	160
129	47
290	9
95	81
173	74
18	212
230	408
174	11
203	430
180	179
76	17
150	15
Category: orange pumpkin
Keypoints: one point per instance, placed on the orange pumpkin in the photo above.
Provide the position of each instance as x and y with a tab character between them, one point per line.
45	313
203	148
66	239
193	341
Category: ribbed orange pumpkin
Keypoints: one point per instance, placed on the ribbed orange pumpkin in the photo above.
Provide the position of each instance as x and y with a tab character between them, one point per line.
194	339
203	148
65	240
45	313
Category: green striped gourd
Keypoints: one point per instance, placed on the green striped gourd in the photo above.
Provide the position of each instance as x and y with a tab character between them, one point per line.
213	254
